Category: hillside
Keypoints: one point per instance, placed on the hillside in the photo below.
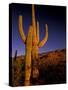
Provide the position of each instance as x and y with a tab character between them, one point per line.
52	68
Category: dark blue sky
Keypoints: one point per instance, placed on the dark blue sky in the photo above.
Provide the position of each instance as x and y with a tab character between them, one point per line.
54	16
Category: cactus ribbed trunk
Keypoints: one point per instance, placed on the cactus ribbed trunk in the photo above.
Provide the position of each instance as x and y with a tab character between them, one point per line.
35	71
35	58
28	57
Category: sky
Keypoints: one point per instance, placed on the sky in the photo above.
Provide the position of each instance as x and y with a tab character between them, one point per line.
54	16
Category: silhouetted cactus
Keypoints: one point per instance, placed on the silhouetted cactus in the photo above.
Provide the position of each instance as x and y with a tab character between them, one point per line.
32	45
15	55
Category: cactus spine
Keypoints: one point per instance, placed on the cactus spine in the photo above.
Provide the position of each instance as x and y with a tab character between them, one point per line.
32	46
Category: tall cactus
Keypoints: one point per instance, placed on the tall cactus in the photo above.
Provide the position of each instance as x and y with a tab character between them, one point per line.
28	42
36	43
32	45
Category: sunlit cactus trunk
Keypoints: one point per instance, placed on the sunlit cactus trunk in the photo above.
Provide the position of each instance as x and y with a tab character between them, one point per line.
36	44
35	58
28	42
32	45
28	57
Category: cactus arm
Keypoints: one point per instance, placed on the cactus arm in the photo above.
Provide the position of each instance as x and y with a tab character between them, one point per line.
28	57
21	29
45	38
37	31
33	23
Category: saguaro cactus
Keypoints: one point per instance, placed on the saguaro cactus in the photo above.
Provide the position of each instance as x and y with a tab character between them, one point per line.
15	55
32	46
28	42
36	44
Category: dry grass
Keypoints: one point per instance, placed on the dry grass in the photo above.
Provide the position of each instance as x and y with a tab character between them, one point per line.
52	68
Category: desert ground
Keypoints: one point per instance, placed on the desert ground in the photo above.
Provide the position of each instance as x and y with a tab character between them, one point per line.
52	68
